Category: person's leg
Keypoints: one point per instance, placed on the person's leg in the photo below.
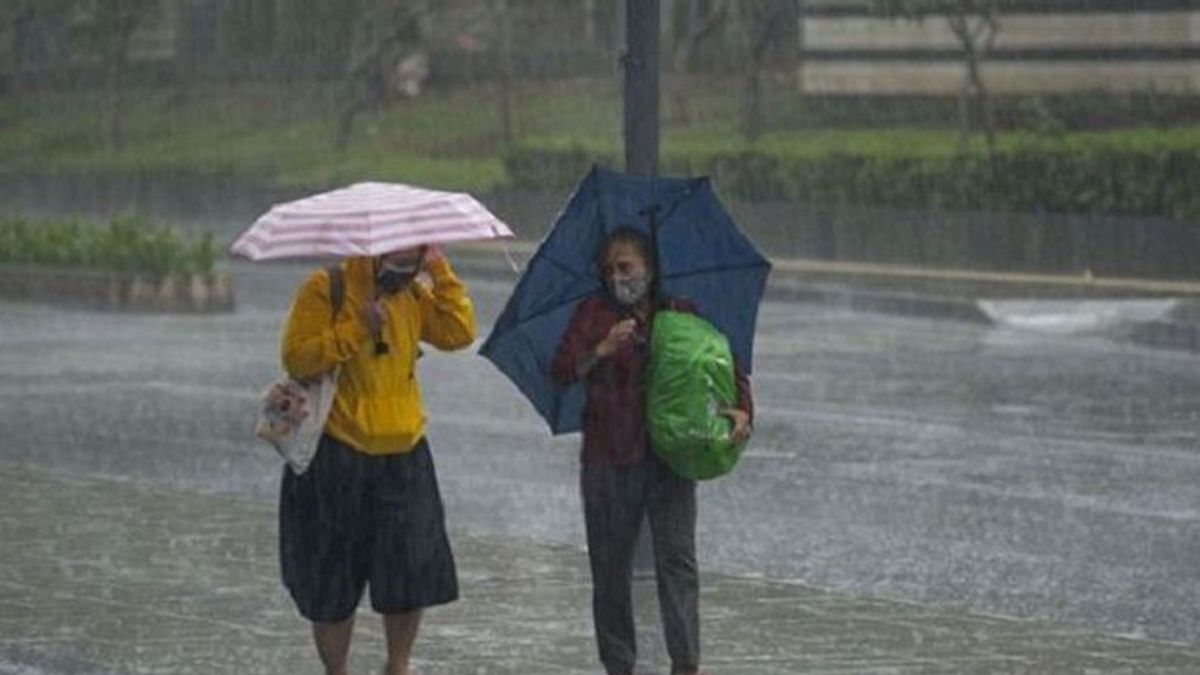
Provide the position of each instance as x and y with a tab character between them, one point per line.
401	631
613	503
320	546
672	514
412	564
333	645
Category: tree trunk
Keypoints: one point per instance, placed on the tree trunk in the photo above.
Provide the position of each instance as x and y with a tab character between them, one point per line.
756	37
962	30
677	87
682	44
346	122
752	102
982	102
365	74
976	42
801	44
990	29
699	25
10	69
126	19
505	80
589	22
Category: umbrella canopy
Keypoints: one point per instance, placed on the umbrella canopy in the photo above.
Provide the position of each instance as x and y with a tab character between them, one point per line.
367	219
702	255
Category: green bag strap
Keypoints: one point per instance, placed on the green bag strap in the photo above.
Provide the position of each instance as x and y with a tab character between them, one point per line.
337	289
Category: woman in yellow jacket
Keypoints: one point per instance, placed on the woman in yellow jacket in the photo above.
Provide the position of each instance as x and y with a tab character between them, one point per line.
367	512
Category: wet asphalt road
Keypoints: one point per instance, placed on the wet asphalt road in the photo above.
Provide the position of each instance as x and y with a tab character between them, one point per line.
1026	474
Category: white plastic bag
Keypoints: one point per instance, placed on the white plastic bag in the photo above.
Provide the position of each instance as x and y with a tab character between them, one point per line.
291	417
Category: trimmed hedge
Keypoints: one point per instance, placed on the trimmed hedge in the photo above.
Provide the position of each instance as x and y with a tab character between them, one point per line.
1073	111
1130	173
127	244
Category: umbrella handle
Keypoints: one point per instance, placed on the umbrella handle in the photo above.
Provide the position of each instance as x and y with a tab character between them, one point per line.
381	347
651	213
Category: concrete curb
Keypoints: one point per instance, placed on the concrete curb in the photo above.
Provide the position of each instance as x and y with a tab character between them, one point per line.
115	291
905	292
491	263
882	302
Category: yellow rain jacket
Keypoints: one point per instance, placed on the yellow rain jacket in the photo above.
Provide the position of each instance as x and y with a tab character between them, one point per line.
378	404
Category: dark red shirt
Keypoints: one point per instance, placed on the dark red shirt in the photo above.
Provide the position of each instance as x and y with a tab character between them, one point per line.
614	416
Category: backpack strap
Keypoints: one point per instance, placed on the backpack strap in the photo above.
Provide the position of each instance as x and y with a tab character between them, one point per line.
337	288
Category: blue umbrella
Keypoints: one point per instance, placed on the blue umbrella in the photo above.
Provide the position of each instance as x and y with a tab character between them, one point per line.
702	255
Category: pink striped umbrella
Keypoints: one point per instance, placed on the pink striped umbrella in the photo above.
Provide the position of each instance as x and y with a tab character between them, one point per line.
367	219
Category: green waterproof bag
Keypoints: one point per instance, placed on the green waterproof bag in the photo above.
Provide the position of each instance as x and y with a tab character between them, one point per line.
690	379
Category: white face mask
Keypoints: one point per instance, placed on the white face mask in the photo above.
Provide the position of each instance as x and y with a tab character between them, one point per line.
406	268
629	290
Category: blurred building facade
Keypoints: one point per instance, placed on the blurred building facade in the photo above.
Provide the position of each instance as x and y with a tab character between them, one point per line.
833	46
1051	46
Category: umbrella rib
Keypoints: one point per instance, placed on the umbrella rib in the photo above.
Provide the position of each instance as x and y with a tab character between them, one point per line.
688	191
581	296
544	312
674	207
564	267
713	270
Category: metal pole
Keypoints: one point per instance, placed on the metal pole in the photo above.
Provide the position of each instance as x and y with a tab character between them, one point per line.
641	86
641	150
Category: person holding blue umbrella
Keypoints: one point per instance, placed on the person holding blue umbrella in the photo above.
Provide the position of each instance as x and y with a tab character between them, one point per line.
622	481
575	339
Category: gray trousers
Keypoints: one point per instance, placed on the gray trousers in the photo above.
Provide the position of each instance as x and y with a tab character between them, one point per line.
615	499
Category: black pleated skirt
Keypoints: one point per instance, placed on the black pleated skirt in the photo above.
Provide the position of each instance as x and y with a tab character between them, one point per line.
354	521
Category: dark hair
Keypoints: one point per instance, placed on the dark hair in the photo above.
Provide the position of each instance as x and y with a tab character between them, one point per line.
626	235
